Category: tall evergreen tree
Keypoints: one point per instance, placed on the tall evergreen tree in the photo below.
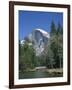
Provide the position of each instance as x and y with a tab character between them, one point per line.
50	58
59	29
53	28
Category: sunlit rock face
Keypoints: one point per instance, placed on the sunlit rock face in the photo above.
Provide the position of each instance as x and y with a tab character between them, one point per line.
38	38
22	42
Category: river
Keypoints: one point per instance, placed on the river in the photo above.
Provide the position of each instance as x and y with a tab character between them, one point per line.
38	74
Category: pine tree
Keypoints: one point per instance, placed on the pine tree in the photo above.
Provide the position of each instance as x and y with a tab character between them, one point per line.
59	29
53	28
50	58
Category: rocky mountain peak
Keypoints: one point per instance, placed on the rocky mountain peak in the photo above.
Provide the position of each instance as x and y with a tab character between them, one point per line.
39	38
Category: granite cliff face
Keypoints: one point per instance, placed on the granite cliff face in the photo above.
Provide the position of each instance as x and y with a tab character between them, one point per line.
38	38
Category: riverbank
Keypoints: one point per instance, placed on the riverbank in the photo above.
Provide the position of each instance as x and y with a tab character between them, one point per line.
60	70
45	73
57	70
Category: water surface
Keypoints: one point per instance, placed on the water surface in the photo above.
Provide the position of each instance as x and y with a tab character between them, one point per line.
38	74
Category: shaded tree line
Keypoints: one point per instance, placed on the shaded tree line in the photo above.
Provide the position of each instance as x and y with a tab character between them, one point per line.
54	56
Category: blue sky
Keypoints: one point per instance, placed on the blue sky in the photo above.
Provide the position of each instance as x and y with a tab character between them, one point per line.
30	20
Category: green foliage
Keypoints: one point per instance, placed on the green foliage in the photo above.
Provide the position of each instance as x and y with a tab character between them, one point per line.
53	28
52	56
54	49
49	58
27	57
